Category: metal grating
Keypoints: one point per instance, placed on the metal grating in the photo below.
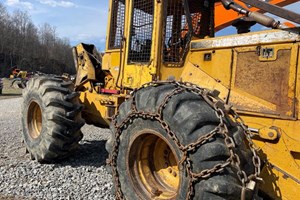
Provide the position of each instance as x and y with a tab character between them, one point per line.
117	24
175	33
141	31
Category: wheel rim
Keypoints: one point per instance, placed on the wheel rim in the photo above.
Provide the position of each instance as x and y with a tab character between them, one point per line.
153	167
34	120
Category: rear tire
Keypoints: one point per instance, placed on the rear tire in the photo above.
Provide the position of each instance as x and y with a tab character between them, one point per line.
51	118
147	160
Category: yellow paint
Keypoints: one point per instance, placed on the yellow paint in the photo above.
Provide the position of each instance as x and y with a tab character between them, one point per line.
97	106
218	68
194	74
268	133
85	68
252	102
282	153
218	72
154	166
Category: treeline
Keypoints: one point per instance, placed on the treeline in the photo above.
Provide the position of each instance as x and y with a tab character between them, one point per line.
31	48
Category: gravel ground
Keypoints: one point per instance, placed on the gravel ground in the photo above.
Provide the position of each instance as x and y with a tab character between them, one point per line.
82	176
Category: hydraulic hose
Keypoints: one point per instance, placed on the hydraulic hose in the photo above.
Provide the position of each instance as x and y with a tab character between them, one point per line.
258	17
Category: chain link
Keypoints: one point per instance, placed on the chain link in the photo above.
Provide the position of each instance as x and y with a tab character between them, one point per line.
222	130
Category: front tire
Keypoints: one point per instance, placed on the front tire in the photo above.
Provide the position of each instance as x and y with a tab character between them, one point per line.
147	156
51	118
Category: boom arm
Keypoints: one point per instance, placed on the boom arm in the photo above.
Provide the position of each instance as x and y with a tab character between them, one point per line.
224	18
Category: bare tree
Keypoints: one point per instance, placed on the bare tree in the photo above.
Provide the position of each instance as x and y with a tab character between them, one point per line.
31	48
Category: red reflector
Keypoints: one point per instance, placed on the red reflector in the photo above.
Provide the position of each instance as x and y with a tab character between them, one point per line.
106	91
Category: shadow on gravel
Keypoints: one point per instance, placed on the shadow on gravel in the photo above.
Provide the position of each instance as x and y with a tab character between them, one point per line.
90	153
9	95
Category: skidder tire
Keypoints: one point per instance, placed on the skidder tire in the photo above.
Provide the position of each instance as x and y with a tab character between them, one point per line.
145	159
51	118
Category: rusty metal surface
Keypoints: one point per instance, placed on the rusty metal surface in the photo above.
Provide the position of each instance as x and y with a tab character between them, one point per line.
266	80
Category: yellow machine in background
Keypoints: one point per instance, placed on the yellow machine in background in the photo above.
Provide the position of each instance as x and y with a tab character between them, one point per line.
173	139
17	73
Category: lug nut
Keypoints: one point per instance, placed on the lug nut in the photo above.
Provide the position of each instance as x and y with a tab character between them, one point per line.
174	174
156	192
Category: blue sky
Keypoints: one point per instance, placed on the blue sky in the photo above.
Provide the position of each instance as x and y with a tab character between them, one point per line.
79	20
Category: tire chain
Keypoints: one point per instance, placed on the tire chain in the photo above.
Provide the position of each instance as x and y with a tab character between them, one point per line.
211	97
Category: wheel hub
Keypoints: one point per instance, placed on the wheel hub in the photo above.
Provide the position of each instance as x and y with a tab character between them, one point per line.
153	167
34	120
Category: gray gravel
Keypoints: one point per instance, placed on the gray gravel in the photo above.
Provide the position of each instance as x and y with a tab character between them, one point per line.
82	176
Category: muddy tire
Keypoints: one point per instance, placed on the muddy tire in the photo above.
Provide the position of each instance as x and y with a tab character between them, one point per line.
51	118
148	158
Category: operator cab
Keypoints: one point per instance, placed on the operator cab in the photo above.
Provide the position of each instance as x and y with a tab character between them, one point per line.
149	40
176	34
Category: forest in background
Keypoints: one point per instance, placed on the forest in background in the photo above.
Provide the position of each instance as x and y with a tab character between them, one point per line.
30	47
